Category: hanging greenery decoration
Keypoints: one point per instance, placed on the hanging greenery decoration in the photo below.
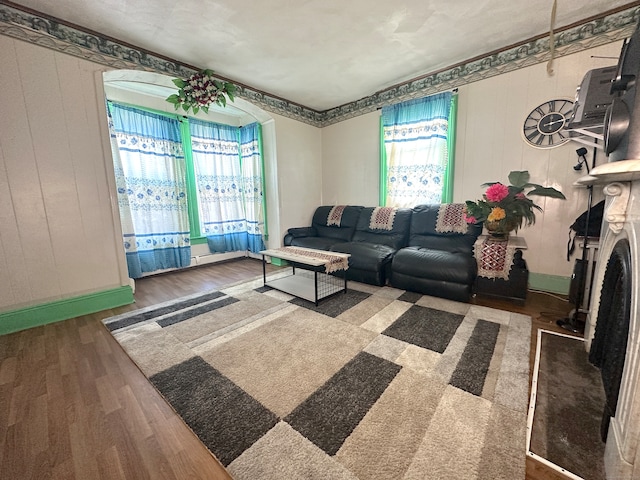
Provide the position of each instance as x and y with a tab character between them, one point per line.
201	90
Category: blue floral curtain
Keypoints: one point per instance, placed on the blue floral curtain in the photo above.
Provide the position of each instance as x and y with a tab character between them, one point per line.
415	146
150	177
229	189
253	186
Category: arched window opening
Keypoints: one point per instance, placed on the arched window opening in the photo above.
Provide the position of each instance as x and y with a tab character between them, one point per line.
188	186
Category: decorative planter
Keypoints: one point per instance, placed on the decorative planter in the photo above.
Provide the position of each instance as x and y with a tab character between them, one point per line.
500	229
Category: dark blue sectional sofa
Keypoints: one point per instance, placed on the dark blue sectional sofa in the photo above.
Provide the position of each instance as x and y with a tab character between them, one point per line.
411	255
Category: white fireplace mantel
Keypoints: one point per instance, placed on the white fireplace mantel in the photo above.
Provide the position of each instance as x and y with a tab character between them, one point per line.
620	182
622	171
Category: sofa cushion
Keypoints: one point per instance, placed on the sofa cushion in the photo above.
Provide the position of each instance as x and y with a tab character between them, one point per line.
423	232
438	265
460	292
395	238
342	232
318	243
302	232
365	256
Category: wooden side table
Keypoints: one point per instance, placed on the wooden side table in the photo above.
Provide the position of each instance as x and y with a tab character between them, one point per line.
502	272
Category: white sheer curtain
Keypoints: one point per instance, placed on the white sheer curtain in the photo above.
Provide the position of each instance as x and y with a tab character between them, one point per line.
150	178
229	185
415	143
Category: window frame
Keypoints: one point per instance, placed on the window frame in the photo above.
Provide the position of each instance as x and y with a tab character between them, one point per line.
195	235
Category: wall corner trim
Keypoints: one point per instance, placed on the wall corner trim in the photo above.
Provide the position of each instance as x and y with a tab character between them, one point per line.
37	315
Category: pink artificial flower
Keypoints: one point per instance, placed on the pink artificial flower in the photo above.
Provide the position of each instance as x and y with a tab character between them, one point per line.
497	192
470	219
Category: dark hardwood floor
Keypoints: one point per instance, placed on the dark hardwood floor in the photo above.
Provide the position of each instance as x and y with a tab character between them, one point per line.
74	406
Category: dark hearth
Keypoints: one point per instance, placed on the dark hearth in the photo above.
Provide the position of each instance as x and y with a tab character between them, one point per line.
612	328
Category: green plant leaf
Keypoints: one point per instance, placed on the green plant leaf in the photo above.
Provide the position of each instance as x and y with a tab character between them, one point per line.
547	192
519	178
179	82
205	109
173	98
222	100
185	107
515	190
195	109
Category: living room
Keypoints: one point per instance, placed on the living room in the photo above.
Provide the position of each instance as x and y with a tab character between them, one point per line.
59	228
73	197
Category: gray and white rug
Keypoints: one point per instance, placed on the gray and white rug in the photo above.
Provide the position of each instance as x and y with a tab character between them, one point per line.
377	383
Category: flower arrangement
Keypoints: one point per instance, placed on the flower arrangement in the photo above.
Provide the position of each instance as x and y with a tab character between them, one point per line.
200	90
508	207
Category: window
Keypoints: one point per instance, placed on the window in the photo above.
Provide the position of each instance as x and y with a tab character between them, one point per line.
183	180
417	139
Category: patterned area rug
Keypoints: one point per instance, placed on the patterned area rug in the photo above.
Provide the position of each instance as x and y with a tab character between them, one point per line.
377	383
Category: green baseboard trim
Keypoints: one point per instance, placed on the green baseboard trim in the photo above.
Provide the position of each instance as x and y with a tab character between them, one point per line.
549	283
34	316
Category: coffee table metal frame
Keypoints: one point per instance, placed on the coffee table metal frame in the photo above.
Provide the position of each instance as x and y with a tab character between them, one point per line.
314	287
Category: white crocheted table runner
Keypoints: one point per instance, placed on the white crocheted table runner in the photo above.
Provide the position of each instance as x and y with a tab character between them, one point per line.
333	262
494	257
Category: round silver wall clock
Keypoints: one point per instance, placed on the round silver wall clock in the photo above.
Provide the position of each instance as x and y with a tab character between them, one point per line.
543	127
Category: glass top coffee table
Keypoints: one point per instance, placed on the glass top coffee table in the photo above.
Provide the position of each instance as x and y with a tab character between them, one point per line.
313	279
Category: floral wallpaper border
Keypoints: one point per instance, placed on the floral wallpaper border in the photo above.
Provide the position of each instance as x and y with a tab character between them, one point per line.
49	33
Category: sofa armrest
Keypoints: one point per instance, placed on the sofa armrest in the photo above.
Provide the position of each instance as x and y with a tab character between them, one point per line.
302	232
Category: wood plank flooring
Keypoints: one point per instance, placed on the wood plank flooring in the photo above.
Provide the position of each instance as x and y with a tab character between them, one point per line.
74	406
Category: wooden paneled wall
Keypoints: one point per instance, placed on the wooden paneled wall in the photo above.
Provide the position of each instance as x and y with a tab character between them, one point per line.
58	234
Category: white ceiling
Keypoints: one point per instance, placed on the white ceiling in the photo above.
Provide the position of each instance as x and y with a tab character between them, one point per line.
322	53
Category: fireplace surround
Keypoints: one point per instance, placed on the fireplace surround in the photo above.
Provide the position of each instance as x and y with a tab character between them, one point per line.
609	345
611	323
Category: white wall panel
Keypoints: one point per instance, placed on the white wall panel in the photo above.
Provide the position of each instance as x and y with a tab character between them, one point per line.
15	280
51	141
56	229
299	173
348	167
16	141
87	180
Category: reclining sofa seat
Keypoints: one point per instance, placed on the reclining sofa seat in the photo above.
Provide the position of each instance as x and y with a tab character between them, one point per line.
372	249
320	235
436	263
